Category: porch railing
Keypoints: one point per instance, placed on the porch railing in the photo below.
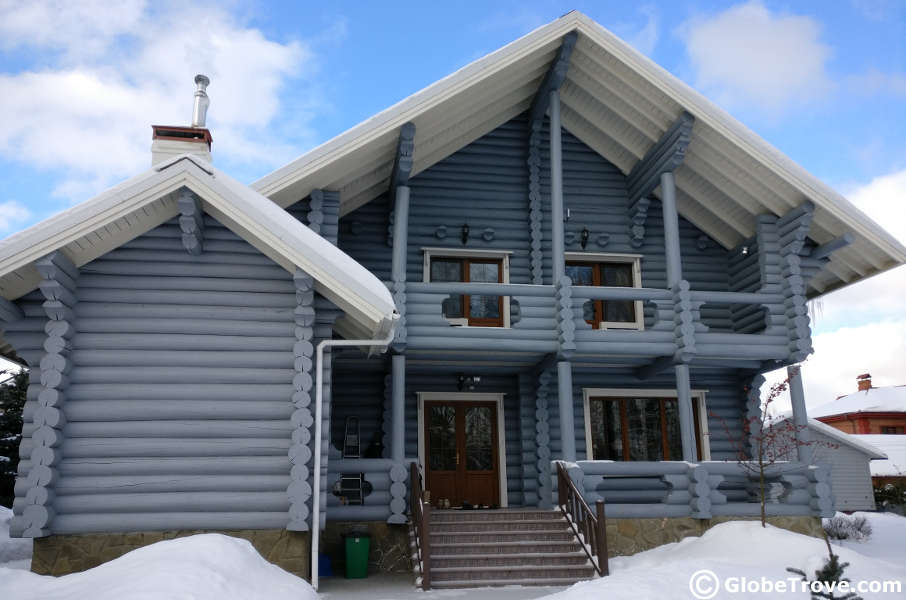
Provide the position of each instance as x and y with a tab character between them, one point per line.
589	527
420	515
704	490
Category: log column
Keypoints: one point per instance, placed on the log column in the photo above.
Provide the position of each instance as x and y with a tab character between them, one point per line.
683	320
804	450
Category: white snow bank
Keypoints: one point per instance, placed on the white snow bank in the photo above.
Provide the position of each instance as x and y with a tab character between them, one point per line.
201	567
14	553
734	549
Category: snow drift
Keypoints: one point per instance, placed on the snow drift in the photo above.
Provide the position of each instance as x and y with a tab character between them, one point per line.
209	566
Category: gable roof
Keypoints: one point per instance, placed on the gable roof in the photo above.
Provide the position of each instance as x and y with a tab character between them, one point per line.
841	437
882	399
619	103
145	201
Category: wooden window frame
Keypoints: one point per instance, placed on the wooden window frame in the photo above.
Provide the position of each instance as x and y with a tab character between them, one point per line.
466	256
597	259
896	430
699	416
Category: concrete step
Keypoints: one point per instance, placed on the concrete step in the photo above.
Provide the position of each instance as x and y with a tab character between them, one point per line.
578	558
514	574
517	547
508	525
493	515
458	584
471	537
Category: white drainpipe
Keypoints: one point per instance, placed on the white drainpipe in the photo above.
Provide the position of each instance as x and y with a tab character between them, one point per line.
319	397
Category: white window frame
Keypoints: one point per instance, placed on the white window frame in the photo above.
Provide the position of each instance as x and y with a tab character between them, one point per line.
467	397
698	396
631	259
502	255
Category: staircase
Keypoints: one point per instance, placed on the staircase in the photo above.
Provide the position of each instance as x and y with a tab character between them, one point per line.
479	548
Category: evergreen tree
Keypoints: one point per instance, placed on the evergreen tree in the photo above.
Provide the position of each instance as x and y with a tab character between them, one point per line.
831	572
12	399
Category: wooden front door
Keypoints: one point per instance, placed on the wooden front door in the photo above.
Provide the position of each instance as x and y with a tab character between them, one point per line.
461	458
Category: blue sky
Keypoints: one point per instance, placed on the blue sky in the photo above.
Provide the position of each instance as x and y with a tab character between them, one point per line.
825	82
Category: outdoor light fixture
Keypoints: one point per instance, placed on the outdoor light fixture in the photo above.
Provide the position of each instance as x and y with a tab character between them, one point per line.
583	238
468	382
745	250
464	233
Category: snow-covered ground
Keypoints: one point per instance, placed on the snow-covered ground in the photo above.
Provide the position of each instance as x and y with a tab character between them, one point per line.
217	567
14	553
743	549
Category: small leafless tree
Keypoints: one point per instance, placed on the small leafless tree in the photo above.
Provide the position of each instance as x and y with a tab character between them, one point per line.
765	441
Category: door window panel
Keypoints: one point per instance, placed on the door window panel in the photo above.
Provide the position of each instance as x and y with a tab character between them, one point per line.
607	443
479	439
442	438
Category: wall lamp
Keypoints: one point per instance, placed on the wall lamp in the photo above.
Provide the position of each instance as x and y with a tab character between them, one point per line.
583	237
467	382
464	233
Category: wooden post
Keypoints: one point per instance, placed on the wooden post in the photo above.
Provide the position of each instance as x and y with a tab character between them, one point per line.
556	158
601	539
398	410
804	449
674	279
567	421
398	264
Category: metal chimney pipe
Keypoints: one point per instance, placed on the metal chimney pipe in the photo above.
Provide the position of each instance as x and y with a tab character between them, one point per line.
200	109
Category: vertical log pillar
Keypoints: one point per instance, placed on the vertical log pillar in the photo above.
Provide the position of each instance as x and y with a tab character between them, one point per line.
683	310
567	421
398	409
556	159
398	264
300	454
804	450
543	440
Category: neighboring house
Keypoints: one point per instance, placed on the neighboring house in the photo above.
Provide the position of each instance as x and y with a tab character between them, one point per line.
893	468
869	410
589	261
852	461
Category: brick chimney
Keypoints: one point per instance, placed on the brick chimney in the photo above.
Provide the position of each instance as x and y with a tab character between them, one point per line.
168	141
864	382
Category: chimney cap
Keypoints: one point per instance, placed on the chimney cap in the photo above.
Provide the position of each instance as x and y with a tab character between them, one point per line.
864	381
202	80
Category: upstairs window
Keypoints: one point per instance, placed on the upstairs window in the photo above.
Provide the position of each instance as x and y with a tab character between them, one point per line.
466	266
893	429
610	271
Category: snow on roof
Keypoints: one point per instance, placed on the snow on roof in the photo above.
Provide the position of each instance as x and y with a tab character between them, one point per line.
894	446
147	200
619	103
881	399
842	437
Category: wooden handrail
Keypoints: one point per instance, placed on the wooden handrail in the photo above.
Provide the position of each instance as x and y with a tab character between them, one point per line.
420	514
590	527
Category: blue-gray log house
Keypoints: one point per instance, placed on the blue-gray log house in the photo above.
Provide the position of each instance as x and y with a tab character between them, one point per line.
579	258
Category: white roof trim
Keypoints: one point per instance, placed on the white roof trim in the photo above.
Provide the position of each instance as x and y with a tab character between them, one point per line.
846	439
273	231
620	122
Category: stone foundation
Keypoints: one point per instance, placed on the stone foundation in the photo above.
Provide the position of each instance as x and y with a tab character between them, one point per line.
64	554
628	536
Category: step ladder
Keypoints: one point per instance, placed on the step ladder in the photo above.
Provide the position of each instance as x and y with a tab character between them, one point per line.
352	484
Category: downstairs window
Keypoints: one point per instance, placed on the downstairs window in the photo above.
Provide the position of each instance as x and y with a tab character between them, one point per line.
639	427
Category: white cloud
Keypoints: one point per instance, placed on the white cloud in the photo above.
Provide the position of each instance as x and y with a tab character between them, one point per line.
115	71
11	214
876	348
747	55
862	328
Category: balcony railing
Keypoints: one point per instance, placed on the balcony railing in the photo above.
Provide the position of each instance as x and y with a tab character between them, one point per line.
702	490
532	322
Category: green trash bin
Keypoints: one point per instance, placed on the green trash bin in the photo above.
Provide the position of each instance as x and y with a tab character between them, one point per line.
357	547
